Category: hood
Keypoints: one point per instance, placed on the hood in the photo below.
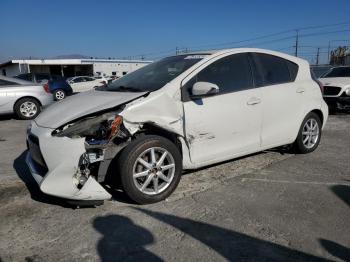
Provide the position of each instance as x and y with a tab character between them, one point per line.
82	104
336	81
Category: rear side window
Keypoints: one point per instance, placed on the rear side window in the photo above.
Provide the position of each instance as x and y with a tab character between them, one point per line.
56	77
27	77
272	70
40	77
79	80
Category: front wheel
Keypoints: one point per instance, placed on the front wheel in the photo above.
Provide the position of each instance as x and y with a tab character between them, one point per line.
150	169
59	94
309	135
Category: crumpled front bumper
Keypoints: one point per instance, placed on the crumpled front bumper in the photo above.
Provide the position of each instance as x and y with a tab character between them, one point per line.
59	163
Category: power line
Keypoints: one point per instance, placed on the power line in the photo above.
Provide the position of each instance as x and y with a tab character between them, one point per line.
232	43
323	26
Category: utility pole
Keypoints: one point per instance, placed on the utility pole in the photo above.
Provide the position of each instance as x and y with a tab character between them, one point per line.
329	52
296	42
317	56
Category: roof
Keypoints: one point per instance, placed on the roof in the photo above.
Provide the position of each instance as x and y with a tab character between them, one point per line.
71	61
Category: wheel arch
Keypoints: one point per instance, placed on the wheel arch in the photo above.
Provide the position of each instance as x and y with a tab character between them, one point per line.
152	129
319	113
23	97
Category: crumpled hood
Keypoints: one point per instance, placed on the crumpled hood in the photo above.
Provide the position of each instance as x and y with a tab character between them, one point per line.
82	104
336	81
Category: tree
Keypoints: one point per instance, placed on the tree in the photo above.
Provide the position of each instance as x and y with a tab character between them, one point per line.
338	55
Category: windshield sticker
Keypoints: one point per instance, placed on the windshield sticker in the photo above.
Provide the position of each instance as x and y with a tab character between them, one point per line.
196	56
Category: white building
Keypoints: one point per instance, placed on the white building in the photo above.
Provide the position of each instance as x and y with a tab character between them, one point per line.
71	67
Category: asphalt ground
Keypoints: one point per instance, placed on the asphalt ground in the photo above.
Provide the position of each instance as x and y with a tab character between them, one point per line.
271	206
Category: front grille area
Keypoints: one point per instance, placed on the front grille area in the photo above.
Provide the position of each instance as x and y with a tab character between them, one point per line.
35	153
331	90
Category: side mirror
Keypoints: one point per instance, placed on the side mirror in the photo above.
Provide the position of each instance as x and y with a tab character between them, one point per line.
201	89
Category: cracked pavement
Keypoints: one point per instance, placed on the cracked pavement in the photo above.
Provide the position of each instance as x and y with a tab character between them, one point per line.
264	207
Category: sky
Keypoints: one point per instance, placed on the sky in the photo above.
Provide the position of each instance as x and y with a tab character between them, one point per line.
129	29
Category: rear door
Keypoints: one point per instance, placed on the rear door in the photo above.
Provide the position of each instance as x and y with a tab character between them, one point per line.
227	124
282	98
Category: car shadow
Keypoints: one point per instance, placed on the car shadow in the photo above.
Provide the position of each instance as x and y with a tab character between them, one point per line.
343	192
7	117
333	248
24	174
123	239
336	249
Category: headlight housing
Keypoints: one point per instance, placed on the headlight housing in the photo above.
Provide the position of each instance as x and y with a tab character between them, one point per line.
347	91
102	127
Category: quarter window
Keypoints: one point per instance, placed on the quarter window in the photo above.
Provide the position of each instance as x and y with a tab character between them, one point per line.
273	70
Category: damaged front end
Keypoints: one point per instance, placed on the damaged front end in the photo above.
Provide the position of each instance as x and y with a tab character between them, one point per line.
104	136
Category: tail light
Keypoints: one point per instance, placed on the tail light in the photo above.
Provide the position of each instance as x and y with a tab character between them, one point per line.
320	85
46	88
103	82
317	81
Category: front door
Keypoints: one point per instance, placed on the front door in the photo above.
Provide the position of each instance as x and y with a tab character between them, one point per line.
227	124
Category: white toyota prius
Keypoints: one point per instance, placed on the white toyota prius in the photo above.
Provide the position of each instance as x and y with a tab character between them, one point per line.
187	111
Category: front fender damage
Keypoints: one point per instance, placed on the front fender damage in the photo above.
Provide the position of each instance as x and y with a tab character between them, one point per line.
157	110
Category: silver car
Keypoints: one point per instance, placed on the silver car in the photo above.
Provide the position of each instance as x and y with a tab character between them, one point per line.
23	98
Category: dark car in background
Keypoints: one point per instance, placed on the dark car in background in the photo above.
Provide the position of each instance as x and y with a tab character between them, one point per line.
57	85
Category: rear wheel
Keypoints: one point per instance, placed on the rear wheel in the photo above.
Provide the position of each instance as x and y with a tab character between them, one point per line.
59	94
150	169
309	135
27	108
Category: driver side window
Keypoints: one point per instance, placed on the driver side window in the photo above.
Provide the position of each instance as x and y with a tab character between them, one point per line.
230	74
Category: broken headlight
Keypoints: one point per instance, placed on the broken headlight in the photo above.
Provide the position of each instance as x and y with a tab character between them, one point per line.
102	127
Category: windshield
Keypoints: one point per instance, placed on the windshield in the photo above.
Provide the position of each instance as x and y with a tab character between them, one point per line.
338	72
153	76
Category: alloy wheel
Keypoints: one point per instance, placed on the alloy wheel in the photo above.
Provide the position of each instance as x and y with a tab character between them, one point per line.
310	133
59	95
153	170
28	109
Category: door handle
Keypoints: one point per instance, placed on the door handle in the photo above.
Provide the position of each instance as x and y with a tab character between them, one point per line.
253	101
300	90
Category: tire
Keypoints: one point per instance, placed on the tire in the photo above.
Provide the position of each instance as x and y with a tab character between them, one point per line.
308	135
59	94
27	108
128	165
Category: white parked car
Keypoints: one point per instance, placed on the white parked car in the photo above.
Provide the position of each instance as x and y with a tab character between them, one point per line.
84	83
336	84
25	99
182	112
104	79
